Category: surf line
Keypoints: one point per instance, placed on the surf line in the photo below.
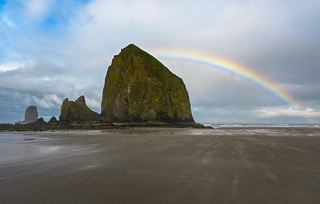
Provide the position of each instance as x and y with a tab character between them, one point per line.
247	74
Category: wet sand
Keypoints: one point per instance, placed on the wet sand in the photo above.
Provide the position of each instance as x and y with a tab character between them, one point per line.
161	165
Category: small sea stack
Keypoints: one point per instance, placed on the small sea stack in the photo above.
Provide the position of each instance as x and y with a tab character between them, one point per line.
30	115
53	119
77	111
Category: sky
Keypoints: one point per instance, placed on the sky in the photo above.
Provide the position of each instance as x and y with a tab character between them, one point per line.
54	49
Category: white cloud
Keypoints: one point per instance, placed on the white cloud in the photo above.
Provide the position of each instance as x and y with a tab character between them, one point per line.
48	101
285	111
10	66
6	22
37	8
312	113
92	103
47	79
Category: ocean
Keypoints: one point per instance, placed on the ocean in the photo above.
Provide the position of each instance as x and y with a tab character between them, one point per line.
257	125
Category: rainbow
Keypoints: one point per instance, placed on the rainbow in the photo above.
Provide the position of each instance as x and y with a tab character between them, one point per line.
245	73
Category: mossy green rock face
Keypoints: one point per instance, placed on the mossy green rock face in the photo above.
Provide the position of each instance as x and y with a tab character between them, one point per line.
77	111
139	88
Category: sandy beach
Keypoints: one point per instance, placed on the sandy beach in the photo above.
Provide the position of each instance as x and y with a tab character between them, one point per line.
161	165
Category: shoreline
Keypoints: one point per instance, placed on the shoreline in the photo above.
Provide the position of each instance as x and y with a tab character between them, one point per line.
92	126
95	125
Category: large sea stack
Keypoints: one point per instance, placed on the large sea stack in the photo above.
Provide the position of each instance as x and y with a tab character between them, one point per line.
139	88
77	111
31	114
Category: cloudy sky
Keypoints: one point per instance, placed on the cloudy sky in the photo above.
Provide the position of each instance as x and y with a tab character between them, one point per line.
52	49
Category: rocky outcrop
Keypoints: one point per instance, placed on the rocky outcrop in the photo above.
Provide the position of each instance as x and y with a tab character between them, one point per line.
40	121
53	120
139	88
31	114
77	111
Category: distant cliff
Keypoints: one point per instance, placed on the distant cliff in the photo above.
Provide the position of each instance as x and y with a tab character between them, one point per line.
77	111
139	88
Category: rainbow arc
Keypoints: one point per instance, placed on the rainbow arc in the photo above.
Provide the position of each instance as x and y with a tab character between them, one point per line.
271	87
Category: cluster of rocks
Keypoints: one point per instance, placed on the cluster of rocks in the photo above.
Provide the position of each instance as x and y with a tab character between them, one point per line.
31	117
138	89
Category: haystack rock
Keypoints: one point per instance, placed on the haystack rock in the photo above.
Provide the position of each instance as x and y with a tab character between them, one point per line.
77	111
139	88
31	114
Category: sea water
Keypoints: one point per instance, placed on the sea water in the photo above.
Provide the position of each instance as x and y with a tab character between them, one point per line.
261	125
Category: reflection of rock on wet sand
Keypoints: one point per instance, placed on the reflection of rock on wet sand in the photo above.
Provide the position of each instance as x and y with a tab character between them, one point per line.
162	165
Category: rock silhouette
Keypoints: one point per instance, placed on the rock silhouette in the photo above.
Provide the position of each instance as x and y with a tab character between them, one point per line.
53	120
